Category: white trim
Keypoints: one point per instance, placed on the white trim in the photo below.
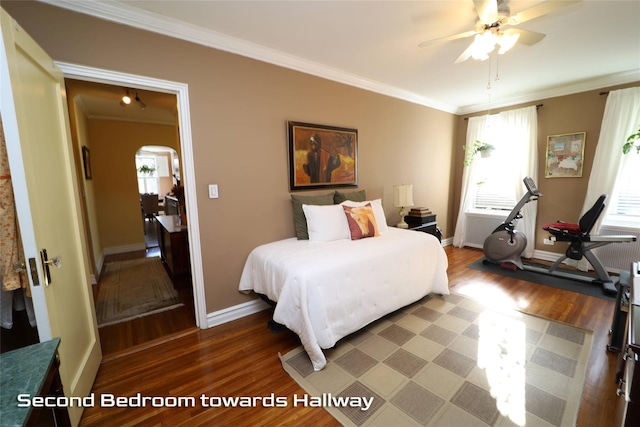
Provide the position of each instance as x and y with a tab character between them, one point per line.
19	182
566	89
447	242
236	312
546	255
112	250
134	17
181	90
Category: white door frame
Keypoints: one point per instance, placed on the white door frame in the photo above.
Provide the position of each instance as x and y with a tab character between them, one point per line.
181	90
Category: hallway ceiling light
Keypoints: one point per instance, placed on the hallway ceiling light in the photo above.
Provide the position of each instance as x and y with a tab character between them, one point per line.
126	99
139	101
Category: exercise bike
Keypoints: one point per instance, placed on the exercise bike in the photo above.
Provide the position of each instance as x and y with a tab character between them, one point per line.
505	244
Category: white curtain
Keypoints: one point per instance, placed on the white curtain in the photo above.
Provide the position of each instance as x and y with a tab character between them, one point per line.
621	118
475	131
521	128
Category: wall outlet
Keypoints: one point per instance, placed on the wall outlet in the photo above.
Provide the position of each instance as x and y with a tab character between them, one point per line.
548	242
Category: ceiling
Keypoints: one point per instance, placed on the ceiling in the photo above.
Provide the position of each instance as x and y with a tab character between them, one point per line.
374	44
102	101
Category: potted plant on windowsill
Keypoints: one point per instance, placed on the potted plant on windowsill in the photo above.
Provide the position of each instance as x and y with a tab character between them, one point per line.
633	141
146	170
483	148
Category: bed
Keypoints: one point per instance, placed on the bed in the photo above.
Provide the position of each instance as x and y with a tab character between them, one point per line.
326	290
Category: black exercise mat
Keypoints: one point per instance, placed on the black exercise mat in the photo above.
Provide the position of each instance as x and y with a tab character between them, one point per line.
580	287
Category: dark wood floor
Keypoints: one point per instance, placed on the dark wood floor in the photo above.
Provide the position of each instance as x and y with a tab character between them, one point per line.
124	338
240	358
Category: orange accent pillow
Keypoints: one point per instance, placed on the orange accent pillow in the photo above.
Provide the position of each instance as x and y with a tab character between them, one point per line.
362	222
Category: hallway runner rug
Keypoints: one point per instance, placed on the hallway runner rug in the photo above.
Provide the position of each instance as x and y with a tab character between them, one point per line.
134	288
451	361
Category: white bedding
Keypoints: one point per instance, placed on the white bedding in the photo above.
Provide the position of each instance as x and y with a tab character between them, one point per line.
325	291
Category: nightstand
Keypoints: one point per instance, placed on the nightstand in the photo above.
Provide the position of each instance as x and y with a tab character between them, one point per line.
427	227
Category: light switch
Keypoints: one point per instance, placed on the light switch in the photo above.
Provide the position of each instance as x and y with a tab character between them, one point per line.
213	191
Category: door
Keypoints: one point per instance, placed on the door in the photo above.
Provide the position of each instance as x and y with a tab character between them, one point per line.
36	125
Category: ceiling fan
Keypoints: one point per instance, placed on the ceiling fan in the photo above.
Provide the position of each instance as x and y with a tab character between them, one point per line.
490	30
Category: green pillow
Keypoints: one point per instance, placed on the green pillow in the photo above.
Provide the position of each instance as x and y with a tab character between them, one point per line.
299	220
354	196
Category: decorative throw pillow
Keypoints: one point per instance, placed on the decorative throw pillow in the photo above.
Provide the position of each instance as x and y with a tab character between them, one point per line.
362	222
299	219
326	223
381	219
356	196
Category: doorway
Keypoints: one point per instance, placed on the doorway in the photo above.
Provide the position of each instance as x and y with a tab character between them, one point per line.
142	87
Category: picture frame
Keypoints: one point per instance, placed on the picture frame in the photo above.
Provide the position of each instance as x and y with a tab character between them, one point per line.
565	155
322	156
86	162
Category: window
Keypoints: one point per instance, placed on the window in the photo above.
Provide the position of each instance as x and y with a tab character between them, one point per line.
147	174
490	173
624	202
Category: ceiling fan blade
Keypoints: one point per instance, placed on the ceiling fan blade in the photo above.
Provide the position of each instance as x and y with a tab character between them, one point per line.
539	10
447	38
464	56
487	10
526	37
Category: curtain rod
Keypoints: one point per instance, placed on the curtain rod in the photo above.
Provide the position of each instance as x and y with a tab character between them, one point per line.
538	106
604	93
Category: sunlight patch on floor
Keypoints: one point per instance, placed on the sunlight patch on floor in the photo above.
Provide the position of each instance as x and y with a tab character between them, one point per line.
501	353
490	296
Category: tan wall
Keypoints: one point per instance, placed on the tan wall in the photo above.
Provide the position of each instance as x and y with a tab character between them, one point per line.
80	138
562	197
239	108
117	200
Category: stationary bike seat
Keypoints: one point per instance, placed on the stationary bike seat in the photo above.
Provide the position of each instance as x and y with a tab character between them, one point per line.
562	228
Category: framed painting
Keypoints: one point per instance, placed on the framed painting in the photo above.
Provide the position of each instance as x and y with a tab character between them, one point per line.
565	155
322	156
86	162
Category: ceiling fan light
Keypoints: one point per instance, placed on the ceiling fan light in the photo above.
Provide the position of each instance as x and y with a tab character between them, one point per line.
507	41
482	45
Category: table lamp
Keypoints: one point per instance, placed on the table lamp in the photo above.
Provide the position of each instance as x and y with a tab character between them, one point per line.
402	197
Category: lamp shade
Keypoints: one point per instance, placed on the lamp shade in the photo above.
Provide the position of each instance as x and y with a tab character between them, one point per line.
402	195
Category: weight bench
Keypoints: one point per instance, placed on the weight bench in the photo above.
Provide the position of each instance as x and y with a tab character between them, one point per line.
582	243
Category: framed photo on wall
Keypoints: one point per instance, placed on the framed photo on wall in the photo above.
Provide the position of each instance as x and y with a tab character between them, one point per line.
565	155
86	162
322	156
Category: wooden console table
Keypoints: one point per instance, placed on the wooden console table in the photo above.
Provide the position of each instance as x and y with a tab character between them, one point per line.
173	241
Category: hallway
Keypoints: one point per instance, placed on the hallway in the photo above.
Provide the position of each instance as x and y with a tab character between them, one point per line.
125	337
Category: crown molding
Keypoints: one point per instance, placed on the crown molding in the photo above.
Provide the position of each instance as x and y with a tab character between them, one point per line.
127	15
567	89
134	17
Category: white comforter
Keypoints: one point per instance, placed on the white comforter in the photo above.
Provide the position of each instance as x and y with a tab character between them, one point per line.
326	291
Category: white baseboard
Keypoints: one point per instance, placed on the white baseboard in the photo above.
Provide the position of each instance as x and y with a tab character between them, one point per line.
546	255
447	242
124	249
236	312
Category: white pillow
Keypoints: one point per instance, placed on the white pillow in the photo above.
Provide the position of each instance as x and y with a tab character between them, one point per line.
326	223
378	212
